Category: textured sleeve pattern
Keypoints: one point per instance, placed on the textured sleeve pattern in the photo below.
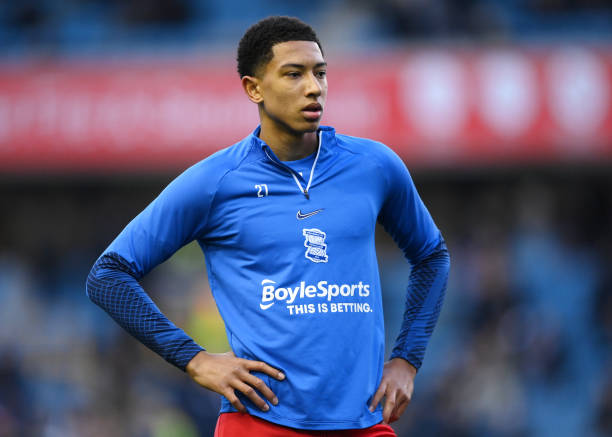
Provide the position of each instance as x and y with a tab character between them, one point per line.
424	299
112	285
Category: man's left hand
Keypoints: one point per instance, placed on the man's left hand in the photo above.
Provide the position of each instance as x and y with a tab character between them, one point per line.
396	386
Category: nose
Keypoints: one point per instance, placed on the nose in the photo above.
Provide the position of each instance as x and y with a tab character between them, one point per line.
313	86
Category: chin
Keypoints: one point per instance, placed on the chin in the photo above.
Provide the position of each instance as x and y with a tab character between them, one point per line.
299	127
304	128
311	126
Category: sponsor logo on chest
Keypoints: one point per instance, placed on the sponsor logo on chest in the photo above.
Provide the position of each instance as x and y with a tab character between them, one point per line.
322	297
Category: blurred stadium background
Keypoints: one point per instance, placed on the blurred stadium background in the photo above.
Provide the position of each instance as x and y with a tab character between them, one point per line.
501	109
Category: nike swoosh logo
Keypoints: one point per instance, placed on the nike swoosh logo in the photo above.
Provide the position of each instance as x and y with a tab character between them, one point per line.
301	216
265	307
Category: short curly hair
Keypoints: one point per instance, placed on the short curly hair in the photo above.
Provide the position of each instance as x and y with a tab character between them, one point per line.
255	47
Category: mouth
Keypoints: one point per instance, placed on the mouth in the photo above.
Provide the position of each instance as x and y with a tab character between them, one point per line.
313	111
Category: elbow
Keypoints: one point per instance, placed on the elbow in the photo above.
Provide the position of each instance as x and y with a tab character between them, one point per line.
442	255
447	258
107	277
93	284
439	257
100	280
443	262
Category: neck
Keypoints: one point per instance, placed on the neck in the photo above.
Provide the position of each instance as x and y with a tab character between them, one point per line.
288	145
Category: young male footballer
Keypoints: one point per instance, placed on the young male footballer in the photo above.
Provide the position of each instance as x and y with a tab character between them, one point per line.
286	220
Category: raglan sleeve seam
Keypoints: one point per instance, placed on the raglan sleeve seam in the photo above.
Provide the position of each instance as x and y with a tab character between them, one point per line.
214	195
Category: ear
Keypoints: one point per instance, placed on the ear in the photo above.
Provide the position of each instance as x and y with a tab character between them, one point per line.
252	88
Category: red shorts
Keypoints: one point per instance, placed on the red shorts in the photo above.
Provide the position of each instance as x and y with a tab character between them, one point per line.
245	425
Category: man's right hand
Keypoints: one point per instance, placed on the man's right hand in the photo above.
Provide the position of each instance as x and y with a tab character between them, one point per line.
225	373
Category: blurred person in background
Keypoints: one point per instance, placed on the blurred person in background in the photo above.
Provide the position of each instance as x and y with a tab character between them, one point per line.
292	209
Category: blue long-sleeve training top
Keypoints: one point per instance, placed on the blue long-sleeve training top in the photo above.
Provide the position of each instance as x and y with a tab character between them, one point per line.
291	260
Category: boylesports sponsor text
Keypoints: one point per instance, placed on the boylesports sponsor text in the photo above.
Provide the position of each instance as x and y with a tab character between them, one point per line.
322	291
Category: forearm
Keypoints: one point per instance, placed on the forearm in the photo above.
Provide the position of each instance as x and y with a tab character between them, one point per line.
113	287
424	299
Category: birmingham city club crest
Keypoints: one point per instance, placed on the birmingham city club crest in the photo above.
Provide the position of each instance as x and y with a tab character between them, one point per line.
315	245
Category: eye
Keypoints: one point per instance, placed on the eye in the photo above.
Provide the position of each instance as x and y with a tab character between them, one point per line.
293	74
321	74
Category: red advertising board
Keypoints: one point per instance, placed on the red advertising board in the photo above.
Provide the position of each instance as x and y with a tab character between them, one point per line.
435	107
